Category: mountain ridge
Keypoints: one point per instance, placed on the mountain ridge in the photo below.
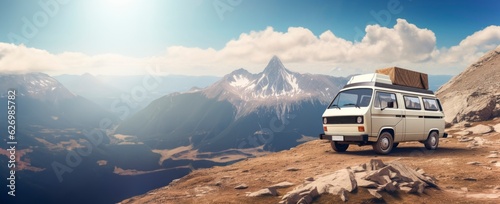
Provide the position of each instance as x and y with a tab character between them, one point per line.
474	94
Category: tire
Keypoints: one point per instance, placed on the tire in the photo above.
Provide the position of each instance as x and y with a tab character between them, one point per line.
384	143
432	141
394	145
339	147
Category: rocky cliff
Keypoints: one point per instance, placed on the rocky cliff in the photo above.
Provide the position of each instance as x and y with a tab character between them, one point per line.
474	94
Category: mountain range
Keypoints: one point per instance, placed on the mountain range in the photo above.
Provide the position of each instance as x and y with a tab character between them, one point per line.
275	109
43	101
136	91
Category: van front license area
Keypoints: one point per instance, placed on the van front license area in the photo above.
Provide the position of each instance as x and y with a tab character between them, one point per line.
337	138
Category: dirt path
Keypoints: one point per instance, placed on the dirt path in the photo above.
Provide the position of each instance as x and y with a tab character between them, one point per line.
459	182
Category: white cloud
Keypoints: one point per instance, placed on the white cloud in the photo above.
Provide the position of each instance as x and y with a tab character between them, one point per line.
20	59
404	45
472	47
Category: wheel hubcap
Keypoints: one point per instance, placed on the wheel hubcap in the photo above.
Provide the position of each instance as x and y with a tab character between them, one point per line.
384	143
433	141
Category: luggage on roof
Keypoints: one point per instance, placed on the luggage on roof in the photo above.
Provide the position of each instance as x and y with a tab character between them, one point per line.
404	77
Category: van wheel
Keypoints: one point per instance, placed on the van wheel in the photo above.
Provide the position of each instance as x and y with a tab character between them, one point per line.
395	145
339	147
384	143
432	141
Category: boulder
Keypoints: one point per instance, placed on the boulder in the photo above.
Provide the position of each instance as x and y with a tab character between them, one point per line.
292	169
480	107
375	164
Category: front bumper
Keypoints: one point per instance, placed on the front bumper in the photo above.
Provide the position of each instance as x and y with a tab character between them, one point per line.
355	138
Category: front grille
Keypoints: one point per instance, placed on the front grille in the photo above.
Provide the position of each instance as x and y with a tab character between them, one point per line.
341	120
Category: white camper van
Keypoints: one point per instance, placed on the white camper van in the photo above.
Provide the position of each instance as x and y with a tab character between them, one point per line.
382	110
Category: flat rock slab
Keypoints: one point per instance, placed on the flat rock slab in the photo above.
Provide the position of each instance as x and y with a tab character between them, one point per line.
375	176
292	169
309	179
473	163
285	184
465	139
480	129
462	133
492	156
264	192
241	186
333	183
497	127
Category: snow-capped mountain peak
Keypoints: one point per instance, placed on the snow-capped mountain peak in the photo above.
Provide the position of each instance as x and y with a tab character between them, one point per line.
35	85
275	66
274	86
276	81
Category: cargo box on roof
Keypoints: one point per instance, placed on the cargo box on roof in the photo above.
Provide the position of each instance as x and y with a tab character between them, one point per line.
404	77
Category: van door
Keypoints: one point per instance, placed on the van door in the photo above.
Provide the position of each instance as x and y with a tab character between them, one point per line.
414	119
433	115
385	115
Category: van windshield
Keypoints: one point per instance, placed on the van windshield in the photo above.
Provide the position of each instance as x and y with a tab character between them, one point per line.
352	98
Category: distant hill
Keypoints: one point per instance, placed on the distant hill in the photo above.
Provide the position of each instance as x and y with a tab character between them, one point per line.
134	91
474	94
43	101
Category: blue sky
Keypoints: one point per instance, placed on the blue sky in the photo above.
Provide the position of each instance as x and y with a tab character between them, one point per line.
140	29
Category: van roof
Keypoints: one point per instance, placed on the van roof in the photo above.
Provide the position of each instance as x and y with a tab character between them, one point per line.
381	78
381	81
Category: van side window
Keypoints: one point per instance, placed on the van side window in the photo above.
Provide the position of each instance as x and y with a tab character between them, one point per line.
430	104
439	104
412	102
383	98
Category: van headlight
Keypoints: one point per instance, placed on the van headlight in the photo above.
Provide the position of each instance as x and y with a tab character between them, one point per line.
359	119
325	120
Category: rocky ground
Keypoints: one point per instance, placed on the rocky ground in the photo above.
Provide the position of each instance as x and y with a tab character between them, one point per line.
465	169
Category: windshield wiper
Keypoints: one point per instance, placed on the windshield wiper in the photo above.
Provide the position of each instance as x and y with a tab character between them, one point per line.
335	105
352	104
